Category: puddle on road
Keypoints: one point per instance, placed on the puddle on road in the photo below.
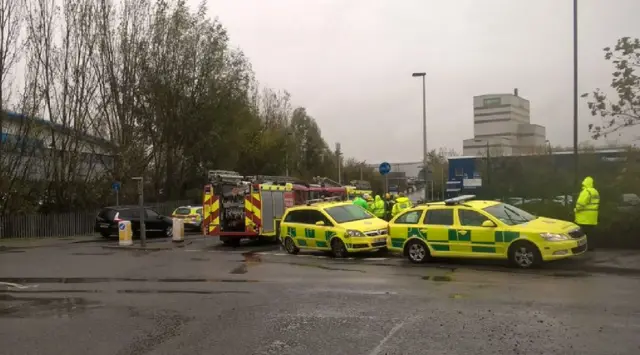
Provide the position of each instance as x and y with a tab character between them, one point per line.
94	254
324	267
134	291
30	307
242	269
4	249
84	280
251	257
438	278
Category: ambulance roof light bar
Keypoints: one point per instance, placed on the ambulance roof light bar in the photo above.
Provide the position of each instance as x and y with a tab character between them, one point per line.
459	200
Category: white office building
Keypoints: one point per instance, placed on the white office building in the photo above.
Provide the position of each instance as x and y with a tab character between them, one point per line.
501	126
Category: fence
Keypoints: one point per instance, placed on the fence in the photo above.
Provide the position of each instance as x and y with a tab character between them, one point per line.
63	224
546	185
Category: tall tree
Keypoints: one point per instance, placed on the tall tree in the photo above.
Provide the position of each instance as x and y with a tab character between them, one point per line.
624	110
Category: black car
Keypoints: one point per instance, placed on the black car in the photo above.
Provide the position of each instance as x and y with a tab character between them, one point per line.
155	224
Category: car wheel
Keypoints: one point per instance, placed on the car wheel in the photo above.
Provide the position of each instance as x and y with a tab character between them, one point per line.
105	234
524	255
338	248
290	246
168	232
417	252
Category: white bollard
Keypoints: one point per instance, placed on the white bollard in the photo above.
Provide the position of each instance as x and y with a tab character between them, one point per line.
178	230
125	233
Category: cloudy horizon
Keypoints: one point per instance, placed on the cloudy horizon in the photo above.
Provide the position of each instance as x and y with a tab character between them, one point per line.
349	63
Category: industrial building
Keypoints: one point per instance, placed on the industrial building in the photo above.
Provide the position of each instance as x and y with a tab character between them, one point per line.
501	126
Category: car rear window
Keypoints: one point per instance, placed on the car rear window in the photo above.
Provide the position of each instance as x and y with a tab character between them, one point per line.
183	210
107	214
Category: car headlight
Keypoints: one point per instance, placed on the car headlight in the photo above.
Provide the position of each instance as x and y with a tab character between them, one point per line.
554	237
353	233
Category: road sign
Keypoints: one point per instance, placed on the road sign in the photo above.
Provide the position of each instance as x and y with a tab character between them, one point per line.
384	168
115	186
122	226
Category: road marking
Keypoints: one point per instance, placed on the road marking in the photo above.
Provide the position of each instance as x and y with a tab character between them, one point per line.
393	330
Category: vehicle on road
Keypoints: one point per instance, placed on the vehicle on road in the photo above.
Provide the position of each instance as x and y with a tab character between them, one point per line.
339	227
462	227
237	207
190	215
155	224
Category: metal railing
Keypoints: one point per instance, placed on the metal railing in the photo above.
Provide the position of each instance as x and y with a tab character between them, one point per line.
70	224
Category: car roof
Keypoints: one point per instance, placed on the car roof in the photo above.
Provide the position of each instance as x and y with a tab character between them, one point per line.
192	207
122	207
478	204
320	205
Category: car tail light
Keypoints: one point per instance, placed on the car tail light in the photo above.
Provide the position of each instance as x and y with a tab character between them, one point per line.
116	218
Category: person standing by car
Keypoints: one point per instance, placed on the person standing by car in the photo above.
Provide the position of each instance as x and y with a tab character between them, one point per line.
586	210
402	203
359	201
378	207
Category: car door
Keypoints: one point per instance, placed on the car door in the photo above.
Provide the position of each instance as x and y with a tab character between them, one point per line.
295	223
315	235
473	238
405	226
153	222
441	234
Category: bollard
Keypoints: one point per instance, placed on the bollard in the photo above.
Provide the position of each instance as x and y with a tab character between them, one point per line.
178	230
125	233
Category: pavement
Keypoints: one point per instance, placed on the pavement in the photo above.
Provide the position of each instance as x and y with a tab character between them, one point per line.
77	297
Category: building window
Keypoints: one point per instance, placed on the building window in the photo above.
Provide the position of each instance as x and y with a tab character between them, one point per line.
495	101
459	172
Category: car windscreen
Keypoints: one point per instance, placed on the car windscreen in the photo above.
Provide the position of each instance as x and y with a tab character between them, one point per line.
509	214
183	210
347	213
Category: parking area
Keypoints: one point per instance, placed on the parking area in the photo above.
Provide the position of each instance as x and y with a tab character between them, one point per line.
202	297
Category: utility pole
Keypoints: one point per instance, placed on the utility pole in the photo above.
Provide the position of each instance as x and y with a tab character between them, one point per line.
424	130
143	231
575	95
338	154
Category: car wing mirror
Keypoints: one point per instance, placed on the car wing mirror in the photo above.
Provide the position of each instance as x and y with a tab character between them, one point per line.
320	223
488	224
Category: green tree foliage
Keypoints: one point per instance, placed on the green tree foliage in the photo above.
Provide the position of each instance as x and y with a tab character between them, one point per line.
167	97
624	110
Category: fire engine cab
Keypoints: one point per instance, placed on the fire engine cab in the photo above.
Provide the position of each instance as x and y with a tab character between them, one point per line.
239	207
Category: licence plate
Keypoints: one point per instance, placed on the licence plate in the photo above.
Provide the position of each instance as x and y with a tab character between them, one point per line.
104	225
378	240
582	242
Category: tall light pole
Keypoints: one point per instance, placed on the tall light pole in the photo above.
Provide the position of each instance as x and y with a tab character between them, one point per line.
424	130
575	93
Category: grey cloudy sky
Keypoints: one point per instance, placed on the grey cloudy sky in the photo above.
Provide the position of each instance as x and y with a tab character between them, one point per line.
349	62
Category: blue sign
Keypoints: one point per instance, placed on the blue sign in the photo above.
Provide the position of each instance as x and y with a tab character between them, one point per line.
122	226
115	186
384	168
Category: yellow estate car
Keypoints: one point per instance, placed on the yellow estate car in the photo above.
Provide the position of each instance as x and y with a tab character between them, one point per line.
191	215
339	227
465	228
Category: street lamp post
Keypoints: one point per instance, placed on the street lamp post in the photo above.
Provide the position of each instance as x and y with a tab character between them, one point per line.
575	92
424	131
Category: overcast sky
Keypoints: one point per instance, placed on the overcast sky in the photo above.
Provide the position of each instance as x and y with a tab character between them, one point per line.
349	62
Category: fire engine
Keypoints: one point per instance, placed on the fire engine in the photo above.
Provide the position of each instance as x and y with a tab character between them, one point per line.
239	207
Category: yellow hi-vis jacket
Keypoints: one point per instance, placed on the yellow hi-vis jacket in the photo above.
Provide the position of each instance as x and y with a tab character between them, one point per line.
587	205
402	203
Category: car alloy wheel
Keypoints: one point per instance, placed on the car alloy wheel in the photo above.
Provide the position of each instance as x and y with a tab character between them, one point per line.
417	252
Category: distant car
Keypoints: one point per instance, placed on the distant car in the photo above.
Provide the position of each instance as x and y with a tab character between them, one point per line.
191	215
155	224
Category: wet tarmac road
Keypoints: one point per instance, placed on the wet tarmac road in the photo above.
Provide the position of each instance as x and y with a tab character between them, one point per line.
207	299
